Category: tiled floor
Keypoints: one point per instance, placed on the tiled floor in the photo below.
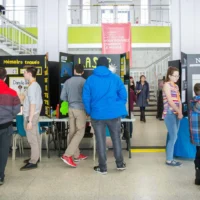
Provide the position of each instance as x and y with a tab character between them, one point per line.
146	177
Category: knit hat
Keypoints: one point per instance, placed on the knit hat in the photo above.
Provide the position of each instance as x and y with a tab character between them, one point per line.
103	61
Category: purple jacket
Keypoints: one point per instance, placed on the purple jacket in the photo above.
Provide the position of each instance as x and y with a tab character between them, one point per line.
132	99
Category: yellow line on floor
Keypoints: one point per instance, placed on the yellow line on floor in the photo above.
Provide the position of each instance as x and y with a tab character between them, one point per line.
147	150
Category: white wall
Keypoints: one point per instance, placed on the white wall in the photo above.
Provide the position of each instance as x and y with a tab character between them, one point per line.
31	2
185	34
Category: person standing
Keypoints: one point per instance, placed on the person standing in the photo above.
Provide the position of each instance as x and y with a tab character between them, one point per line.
31	111
9	108
172	112
195	129
104	98
132	83
72	92
142	91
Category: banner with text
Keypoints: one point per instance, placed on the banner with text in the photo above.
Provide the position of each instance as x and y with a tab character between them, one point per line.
116	39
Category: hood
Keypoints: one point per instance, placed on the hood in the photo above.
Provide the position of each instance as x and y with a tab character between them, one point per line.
102	71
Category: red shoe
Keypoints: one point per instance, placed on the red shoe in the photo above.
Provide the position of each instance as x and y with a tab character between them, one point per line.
81	157
68	160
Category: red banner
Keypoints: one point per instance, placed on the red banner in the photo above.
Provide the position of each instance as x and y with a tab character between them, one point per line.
116	39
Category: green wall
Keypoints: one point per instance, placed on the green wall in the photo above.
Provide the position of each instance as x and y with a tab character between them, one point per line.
89	35
140	34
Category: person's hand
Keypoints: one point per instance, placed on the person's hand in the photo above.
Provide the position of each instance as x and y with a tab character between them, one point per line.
21	97
180	115
29	126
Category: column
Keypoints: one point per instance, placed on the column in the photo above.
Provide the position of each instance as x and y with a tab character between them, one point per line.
52	27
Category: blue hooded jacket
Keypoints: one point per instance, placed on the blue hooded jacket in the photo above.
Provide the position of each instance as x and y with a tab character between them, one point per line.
104	95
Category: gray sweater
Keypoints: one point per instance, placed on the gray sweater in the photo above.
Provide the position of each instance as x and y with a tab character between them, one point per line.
72	92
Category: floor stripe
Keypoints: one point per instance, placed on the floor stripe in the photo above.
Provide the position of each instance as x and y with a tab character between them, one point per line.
147	150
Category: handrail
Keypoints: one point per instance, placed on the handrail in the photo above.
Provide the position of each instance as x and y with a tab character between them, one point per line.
19	28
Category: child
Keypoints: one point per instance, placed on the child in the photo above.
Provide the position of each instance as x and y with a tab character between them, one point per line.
195	128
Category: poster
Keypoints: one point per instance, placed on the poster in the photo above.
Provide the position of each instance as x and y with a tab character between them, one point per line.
14	66
19	84
116	39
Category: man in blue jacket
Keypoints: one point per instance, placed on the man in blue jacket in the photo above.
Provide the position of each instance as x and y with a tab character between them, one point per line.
104	98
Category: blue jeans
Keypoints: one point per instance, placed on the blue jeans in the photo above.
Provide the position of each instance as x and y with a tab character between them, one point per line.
172	123
114	126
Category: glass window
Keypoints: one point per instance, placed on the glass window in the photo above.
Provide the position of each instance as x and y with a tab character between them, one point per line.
107	14
69	20
20	13
123	14
86	12
144	12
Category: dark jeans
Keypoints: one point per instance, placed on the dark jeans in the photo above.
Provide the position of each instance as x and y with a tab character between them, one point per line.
197	159
142	109
5	138
114	126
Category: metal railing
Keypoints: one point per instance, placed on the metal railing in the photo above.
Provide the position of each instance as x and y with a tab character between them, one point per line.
16	38
24	16
97	14
153	72
154	15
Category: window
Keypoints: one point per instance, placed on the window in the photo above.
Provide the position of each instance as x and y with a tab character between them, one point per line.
107	14
144	12
86	12
69	20
123	14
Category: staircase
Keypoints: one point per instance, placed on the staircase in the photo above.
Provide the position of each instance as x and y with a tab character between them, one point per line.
15	40
153	73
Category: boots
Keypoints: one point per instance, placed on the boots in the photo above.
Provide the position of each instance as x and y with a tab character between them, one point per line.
143	118
197	180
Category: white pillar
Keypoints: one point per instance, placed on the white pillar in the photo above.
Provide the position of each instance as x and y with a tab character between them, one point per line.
175	30
185	33
52	27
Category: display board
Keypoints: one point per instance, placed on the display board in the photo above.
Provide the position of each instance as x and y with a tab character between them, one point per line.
14	66
118	64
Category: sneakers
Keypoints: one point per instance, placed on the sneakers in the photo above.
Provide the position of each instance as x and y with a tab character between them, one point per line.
122	167
100	171
68	160
81	157
1	181
174	163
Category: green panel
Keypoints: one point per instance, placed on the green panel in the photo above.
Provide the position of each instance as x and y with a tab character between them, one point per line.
32	30
140	34
16	36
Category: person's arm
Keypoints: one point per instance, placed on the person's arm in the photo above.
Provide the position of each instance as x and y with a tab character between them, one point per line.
16	106
167	91
64	95
86	96
137	88
121	92
147	91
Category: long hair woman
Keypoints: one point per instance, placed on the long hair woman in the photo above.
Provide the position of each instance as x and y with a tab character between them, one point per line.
172	113
142	90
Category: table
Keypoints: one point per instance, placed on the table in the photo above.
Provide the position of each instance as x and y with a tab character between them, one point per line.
53	130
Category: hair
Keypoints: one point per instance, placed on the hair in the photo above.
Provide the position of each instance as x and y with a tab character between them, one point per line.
142	76
31	69
79	68
197	89
3	73
170	72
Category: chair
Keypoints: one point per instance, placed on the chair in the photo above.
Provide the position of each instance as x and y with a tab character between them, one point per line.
18	135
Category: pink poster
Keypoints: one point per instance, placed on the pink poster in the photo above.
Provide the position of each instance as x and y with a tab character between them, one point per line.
116	39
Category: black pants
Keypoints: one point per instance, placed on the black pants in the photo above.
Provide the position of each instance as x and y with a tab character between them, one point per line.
5	138
114	126
197	159
142	109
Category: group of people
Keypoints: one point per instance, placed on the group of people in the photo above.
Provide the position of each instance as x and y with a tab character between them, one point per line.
103	97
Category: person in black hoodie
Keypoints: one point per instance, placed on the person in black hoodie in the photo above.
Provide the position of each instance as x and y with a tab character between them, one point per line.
142	90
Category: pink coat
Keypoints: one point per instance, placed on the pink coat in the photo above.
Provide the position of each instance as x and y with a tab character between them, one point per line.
132	99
